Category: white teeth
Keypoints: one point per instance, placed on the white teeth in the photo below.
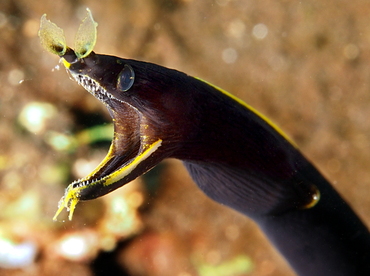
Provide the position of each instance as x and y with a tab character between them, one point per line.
79	183
101	94
93	87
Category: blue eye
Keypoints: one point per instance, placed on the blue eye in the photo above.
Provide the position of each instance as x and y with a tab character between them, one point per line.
126	78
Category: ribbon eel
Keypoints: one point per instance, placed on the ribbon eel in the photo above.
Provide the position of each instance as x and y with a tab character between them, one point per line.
236	156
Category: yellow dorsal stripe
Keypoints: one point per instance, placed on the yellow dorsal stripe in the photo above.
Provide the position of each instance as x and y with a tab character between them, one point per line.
259	114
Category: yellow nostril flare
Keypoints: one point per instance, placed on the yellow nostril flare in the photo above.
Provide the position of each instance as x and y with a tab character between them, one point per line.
53	40
86	36
52	37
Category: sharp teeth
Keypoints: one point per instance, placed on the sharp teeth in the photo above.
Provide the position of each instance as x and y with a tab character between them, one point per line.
93	87
81	183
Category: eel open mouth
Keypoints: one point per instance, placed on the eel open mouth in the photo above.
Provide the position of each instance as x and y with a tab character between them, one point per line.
132	142
131	145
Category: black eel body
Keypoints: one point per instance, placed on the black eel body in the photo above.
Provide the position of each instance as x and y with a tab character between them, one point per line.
238	158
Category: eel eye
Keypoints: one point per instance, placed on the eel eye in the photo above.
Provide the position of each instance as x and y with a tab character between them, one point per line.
126	78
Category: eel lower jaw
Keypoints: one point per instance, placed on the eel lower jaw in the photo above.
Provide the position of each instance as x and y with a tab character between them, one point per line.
101	180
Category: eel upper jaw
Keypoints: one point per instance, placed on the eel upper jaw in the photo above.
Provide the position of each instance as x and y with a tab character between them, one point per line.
131	145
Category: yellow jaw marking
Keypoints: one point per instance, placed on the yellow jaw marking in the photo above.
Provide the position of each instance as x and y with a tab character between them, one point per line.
72	194
65	63
68	201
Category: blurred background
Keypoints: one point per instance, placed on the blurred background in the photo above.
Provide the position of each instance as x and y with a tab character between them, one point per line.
305	64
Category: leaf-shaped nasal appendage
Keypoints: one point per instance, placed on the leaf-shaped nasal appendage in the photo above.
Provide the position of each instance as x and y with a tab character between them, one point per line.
52	37
86	36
